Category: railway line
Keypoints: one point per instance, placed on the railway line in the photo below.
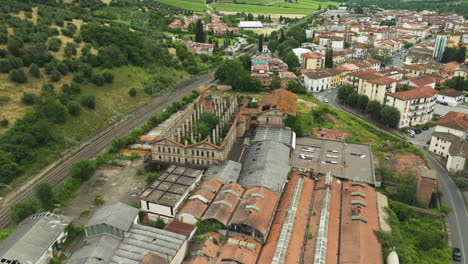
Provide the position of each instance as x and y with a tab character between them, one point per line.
99	141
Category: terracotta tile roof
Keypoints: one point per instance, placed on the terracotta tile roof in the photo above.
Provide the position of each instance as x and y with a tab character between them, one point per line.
224	203
419	92
282	100
451	66
317	75
206	251
152	258
373	61
196	260
146	138
359	219
256	209
451	92
135	151
312	55
365	74
201	198
416	67
239	249
180	228
382	80
194	207
422	80
287	75
459	150
455	120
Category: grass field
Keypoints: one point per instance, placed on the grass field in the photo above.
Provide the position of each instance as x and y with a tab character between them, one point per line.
304	7
196	5
112	101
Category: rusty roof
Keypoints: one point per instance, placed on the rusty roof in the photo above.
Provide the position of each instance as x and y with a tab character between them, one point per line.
282	100
359	219
416	67
180	228
455	120
415	93
451	92
256	209
152	258
239	249
312	55
224	203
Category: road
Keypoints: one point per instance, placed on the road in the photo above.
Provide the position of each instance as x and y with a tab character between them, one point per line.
458	218
452	197
101	140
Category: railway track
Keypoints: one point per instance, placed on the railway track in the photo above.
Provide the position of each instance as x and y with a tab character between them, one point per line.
100	140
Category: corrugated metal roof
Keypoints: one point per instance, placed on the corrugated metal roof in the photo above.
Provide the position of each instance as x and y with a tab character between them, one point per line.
118	215
228	171
266	165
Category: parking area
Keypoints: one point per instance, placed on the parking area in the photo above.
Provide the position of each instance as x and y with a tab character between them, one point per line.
444	109
422	138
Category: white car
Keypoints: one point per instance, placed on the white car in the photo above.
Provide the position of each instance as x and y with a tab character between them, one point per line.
326	101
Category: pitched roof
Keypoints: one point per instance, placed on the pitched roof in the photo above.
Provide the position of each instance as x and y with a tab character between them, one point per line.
312	55
317	74
422	80
282	100
239	249
416	67
180	228
451	92
455	120
419	92
33	237
256	209
224	203
382	80
228	171
266	165
118	215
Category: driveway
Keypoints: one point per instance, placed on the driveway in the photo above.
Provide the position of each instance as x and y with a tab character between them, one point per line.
444	109
421	139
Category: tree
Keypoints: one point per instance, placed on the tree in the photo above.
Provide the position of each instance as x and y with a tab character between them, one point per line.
82	170
74	109
28	98
70	49
199	33
275	82
260	42
34	70
18	75
132	92
362	102
329	58
344	91
20	211
53	110
54	44
273	45
246	62
159	223
373	108
108	77
390	116
295	87
43	193
291	60
8	167
352	99
89	101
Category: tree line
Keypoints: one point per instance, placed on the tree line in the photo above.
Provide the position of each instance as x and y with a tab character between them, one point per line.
385	114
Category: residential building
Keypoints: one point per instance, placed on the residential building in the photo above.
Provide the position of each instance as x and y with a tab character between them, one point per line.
451	96
377	88
317	81
416	70
285	77
36	239
439	47
164	197
449	140
416	105
312	61
114	235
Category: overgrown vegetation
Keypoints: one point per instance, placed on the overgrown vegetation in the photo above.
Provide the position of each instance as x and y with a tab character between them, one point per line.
417	239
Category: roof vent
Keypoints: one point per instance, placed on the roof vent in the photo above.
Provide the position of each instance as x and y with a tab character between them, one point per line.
252	207
257	195
354	202
359	218
223	202
231	192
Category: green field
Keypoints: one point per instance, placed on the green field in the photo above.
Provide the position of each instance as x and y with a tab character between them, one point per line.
196	5
302	7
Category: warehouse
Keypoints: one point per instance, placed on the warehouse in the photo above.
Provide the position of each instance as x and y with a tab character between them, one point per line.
250	24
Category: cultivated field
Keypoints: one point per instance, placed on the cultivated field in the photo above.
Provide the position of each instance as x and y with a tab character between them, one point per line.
303	7
196	5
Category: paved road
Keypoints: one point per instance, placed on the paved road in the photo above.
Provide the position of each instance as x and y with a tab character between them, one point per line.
458	218
102	140
452	197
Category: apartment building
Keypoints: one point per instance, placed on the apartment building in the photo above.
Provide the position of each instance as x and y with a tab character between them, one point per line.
377	88
312	61
317	81
416	105
449	140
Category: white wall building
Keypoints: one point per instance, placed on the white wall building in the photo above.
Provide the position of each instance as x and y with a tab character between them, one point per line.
449	140
451	96
316	81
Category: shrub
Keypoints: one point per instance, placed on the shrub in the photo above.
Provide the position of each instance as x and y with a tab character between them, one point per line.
28	98
34	70
74	109
83	169
4	123
132	92
159	223
54	44
20	211
4	99
108	77
89	101
18	75
98	79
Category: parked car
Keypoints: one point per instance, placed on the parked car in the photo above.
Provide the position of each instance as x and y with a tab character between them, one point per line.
417	131
326	101
425	128
456	254
428	141
410	131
